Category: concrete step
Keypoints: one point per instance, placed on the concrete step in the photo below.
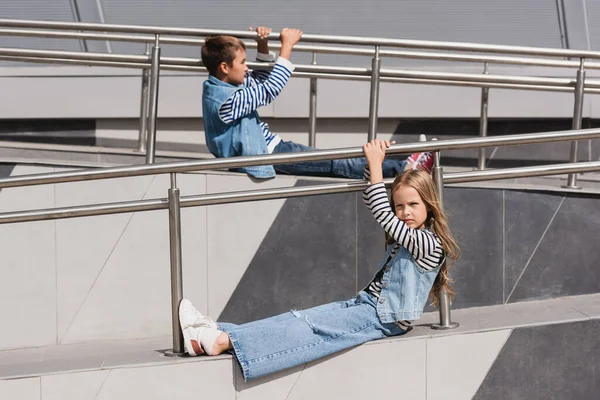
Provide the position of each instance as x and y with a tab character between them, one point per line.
520	335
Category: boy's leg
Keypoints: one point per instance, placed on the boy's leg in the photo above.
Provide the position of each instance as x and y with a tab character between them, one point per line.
312	168
355	167
347	168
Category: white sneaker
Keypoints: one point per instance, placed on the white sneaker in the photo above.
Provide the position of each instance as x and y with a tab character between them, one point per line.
193	324
190	316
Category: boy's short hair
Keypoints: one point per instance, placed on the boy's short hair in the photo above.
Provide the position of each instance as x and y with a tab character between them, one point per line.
218	49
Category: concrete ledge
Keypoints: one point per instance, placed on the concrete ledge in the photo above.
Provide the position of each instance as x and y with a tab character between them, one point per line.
96	356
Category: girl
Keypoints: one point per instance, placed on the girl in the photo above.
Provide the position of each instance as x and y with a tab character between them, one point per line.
414	266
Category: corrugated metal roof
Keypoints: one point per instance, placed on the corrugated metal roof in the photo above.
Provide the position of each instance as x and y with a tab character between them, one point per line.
513	22
593	20
50	10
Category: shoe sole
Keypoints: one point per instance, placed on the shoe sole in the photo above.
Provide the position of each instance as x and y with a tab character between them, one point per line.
187	340
187	343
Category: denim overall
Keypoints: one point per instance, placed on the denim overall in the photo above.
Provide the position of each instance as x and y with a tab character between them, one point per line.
297	337
243	137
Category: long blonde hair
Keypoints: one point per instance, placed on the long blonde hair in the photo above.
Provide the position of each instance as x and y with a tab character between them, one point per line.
437	221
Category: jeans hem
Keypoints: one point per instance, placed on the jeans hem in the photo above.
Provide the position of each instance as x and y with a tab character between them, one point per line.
238	356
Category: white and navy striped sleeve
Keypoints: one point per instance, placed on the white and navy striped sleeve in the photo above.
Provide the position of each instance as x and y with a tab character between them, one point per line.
256	93
423	244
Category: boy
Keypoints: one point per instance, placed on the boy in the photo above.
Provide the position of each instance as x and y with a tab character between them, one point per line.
232	94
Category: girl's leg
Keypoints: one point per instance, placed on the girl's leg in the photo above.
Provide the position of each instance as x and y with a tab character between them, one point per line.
202	335
274	344
223	343
281	318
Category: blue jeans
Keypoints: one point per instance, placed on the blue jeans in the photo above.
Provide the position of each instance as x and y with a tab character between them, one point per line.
347	168
297	337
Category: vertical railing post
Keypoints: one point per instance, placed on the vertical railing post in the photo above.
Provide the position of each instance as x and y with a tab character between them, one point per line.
143	133
483	120
374	98
176	265
577	116
153	108
444	305
312	126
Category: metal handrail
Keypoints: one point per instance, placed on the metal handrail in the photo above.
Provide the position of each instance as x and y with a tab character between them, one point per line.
473	82
150	80
141	61
346	40
338	73
421	81
311	49
280	193
283	158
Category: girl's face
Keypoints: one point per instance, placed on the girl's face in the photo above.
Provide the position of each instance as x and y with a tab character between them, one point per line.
409	207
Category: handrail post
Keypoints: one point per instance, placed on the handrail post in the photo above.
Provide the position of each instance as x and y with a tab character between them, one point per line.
483	119
144	102
444	305
374	98
153	107
176	274
312	126
577	116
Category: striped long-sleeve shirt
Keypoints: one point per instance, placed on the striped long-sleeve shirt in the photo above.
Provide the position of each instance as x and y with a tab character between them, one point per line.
260	88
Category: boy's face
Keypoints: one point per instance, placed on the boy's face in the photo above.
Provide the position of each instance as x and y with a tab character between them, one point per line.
236	72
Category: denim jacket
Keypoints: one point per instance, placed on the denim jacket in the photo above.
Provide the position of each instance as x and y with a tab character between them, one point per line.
243	137
405	287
